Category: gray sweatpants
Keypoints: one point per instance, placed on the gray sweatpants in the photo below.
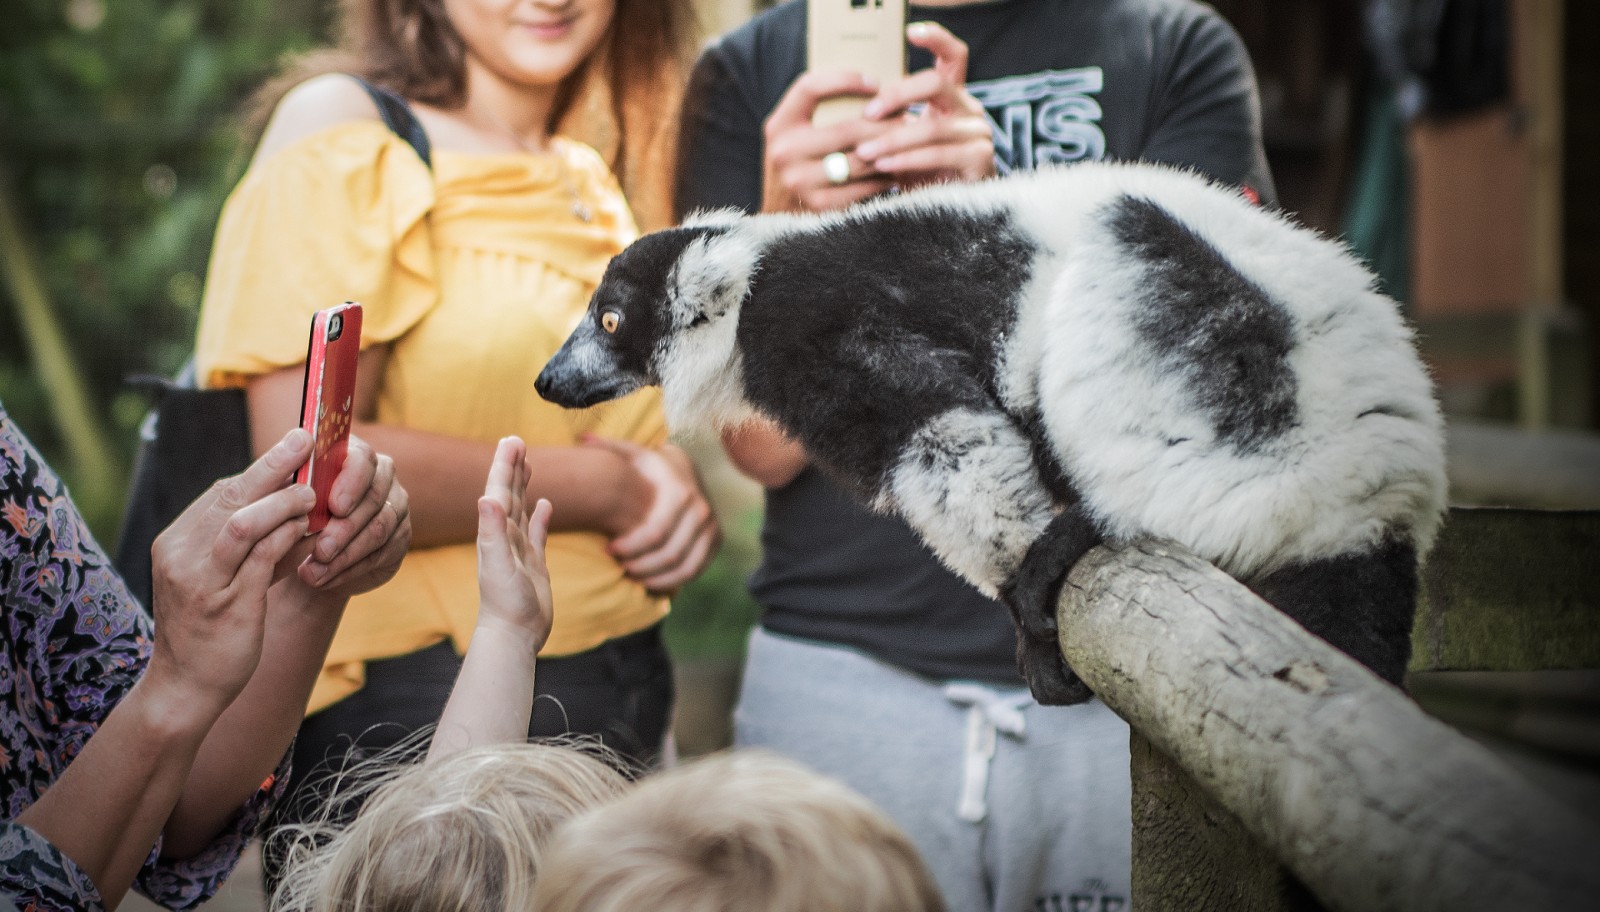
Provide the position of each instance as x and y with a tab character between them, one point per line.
1016	807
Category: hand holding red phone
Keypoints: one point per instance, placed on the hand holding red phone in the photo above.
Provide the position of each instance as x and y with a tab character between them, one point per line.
360	525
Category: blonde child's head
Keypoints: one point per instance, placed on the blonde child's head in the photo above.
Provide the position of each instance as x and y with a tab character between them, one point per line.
465	833
737	831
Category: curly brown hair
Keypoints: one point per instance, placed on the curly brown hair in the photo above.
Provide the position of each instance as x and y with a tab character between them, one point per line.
623	100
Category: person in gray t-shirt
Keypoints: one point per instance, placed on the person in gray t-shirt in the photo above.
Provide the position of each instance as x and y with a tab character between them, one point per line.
874	663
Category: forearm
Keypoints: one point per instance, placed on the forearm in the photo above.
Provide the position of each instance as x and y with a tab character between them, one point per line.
591	490
108	807
248	741
492	700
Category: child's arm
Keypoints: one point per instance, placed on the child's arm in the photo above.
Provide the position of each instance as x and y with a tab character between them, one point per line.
492	700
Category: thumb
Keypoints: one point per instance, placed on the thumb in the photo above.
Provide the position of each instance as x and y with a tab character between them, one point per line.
491	526
950	53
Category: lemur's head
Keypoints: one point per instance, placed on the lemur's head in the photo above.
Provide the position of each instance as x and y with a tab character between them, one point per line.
661	302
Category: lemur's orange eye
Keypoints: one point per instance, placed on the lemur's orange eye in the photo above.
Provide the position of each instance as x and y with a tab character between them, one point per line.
610	320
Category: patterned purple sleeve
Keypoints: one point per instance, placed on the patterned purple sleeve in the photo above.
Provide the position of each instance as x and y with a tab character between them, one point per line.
37	877
185	884
72	643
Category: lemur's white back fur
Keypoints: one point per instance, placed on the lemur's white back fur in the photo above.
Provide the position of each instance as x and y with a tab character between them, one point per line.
1363	458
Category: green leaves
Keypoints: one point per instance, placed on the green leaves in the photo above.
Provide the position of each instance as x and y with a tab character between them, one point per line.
119	139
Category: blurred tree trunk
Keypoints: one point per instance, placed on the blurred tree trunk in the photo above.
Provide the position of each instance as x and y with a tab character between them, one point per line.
94	461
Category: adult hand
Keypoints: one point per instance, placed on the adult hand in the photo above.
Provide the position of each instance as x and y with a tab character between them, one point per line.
794	178
950	138
513	580
211	571
678	535
369	530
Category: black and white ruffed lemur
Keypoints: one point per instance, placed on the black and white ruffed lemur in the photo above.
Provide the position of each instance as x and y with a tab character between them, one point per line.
1025	367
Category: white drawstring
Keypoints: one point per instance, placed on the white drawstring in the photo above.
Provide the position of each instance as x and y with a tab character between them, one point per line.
990	713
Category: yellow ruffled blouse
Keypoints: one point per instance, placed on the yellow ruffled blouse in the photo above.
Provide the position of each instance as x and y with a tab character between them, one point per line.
473	273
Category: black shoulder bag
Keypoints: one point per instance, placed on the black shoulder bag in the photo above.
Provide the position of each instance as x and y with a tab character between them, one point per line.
191	437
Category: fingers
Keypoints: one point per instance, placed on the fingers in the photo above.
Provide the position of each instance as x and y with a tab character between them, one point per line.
794	175
519	486
827	199
354	478
384	543
694	560
930	138
267	474
247	526
539	532
949	52
658	524
799	103
678	534
809	144
258	571
340	531
380	542
501	485
965	161
675	561
927	87
494	548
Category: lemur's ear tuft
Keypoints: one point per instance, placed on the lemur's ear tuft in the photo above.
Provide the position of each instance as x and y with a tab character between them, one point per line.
714	218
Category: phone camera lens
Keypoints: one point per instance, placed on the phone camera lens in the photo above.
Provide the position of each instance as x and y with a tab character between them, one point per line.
335	326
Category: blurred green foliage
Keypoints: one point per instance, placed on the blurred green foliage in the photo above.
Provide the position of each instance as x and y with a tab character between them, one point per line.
712	616
119	138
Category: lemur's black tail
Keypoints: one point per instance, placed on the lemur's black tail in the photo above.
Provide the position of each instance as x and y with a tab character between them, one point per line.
1361	603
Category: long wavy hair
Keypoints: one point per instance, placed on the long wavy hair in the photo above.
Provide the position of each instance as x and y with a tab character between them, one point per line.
623	100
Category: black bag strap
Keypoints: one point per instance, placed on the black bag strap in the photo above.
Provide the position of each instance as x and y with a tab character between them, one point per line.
398	116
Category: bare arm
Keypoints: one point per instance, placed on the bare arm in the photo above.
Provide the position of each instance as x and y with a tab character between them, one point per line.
592	491
649	502
763	453
492	700
364	544
213	567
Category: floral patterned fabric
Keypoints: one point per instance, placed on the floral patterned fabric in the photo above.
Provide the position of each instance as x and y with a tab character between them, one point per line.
72	642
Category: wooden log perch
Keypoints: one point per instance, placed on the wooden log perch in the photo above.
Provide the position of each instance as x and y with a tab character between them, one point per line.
1371	802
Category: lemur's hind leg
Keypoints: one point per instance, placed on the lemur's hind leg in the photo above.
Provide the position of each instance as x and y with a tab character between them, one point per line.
967	481
1363	604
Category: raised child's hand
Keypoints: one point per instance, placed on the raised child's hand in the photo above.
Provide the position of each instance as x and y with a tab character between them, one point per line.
513	581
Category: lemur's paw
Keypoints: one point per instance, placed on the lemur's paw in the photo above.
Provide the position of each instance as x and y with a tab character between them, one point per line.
1034	586
1031	593
1047	674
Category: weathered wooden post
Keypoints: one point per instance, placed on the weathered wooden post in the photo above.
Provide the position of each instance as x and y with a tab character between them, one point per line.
1372	803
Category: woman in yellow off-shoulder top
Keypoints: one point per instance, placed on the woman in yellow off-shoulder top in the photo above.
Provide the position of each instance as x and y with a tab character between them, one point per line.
471	272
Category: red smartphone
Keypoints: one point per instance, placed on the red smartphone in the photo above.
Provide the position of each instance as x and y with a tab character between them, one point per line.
327	398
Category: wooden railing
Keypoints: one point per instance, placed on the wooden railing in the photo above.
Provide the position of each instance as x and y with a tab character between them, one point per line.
1258	748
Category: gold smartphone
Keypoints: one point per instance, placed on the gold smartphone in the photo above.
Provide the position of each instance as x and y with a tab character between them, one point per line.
866	36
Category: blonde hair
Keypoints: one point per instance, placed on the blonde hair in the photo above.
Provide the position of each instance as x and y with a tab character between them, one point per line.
738	831
464	833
